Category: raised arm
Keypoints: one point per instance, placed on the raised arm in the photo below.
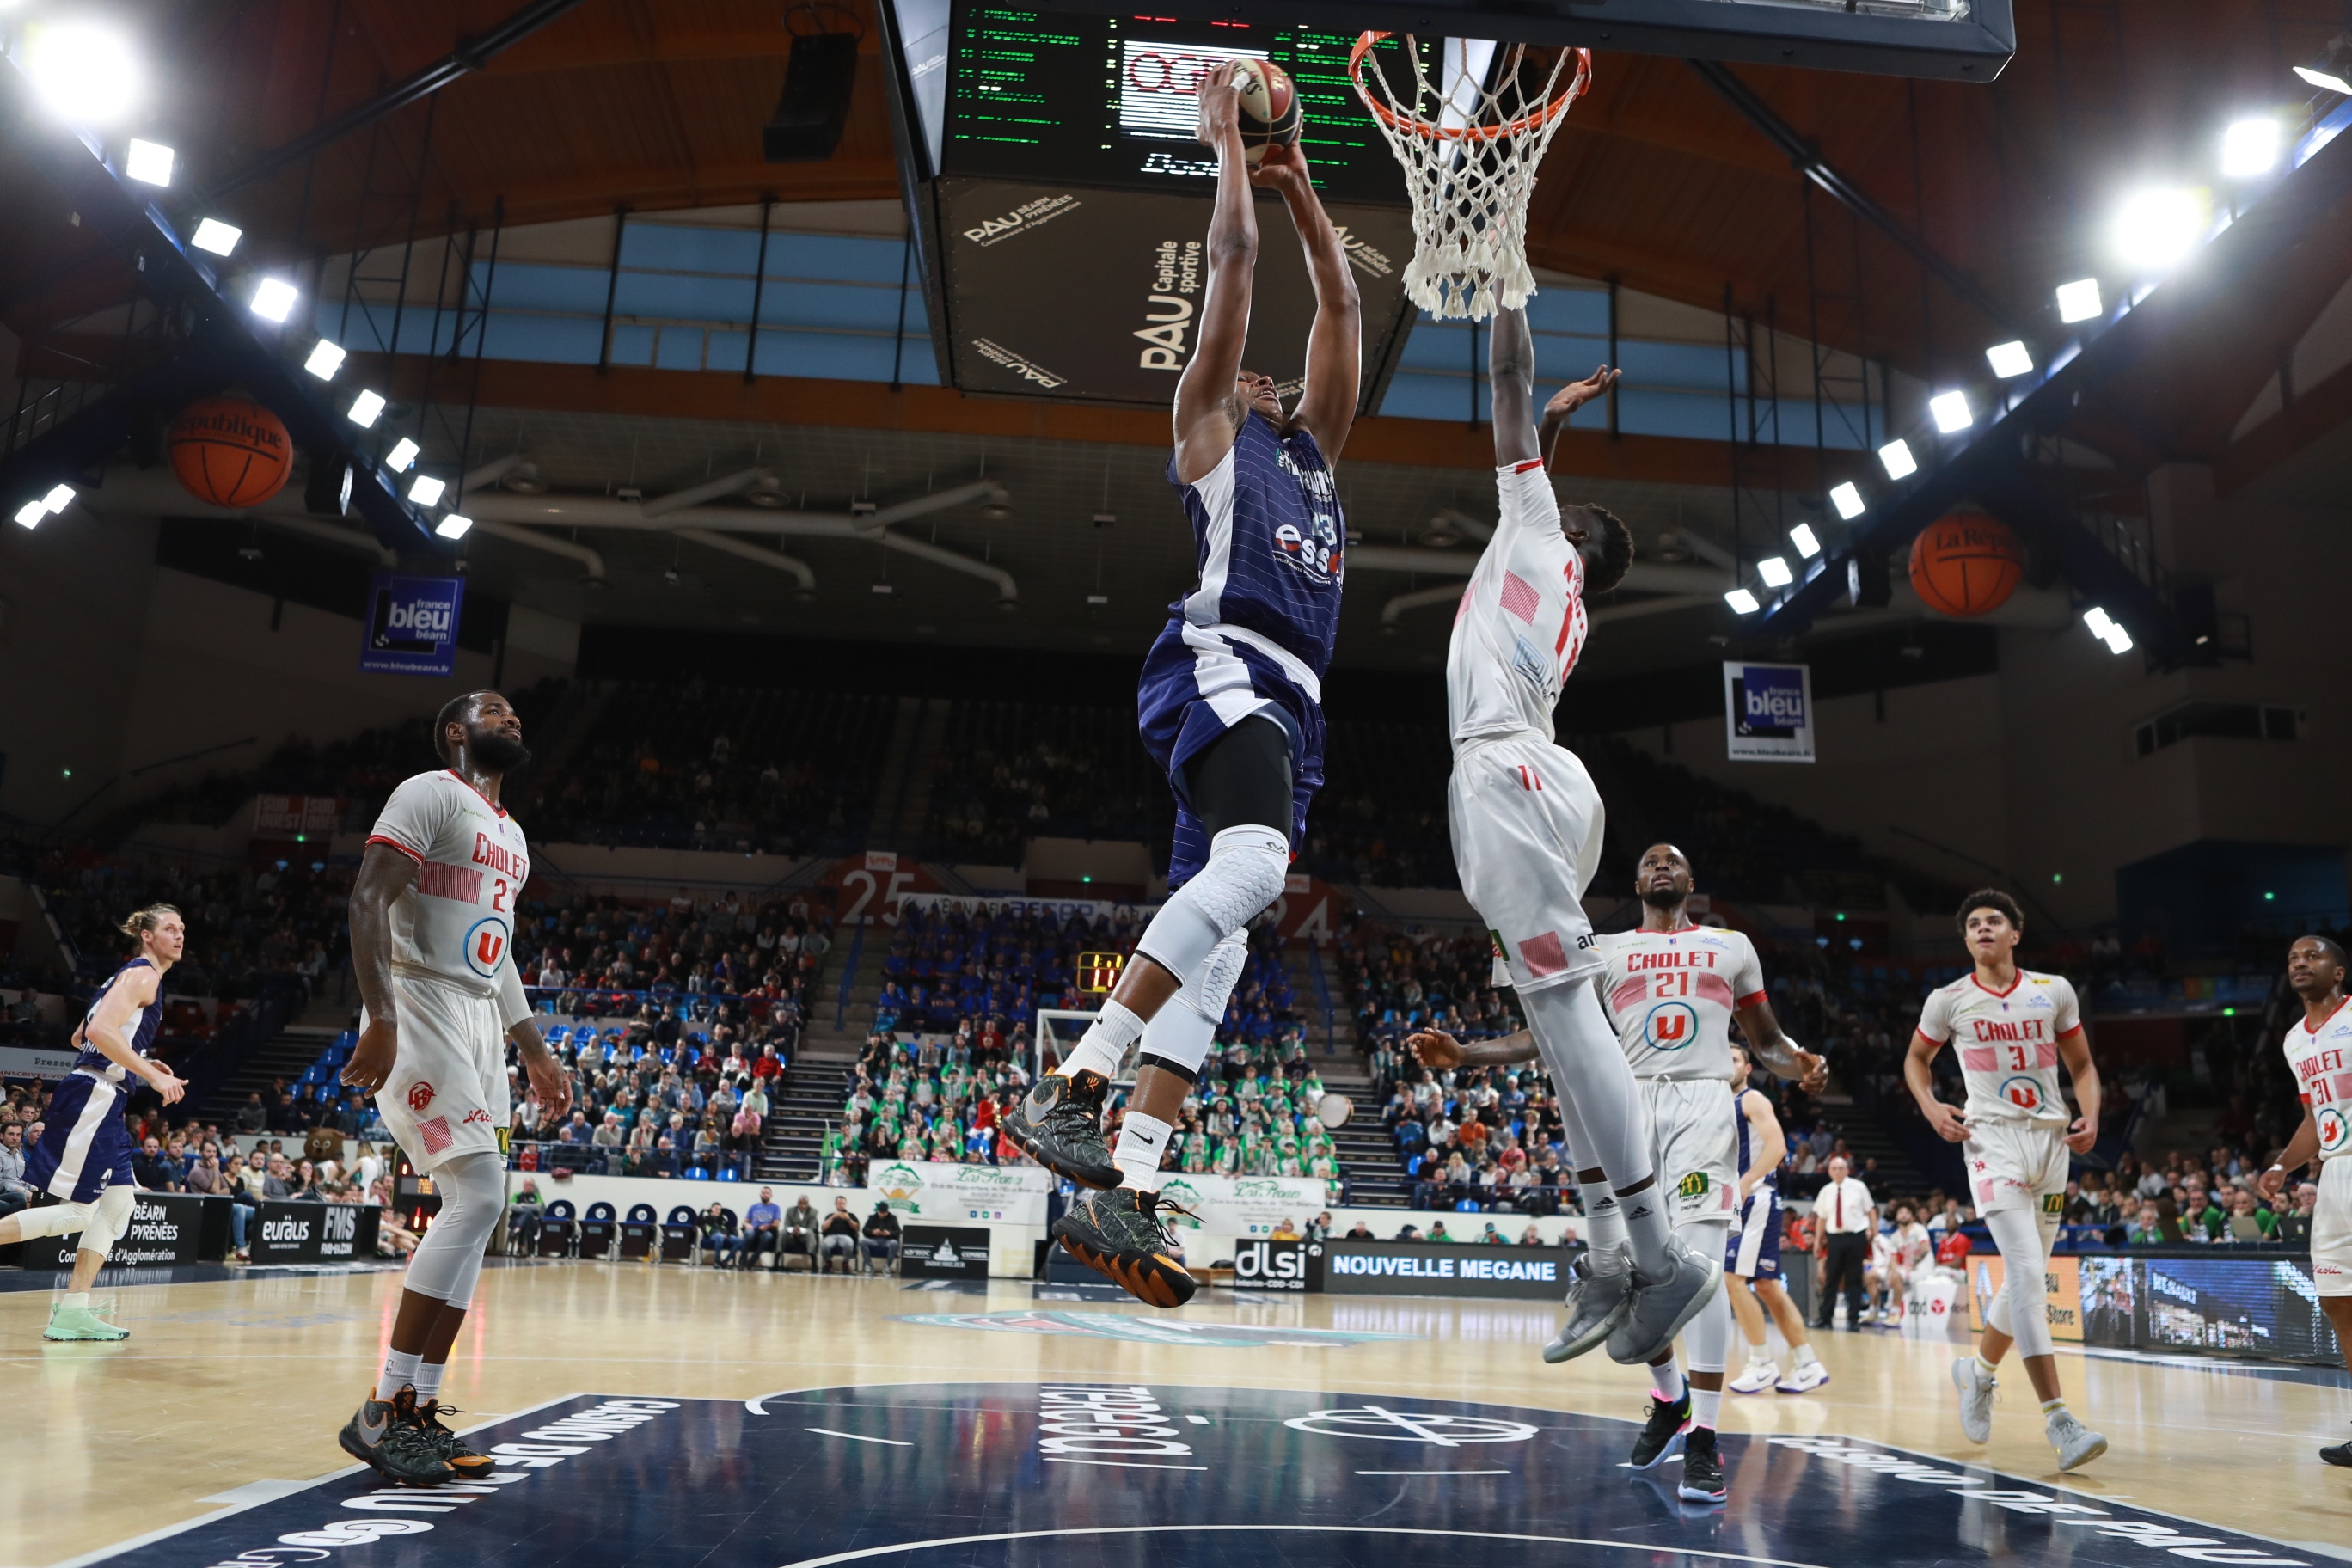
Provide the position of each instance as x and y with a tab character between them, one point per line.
1335	348
1209	410
1567	401
1511	381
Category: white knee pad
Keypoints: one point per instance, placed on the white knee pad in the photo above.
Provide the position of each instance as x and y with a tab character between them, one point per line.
109	1218
1183	1031
57	1219
1246	868
449	1259
1706	1342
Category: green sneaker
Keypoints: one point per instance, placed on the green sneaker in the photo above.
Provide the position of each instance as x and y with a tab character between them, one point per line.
450	1449
386	1434
80	1323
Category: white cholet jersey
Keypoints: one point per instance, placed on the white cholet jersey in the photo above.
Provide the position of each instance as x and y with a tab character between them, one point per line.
2321	1061
455	921
2008	1042
1521	622
1671	996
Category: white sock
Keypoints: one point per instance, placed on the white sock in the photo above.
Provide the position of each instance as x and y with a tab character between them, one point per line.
2051	1407
72	1299
1707	1404
1666	1382
399	1372
427	1382
1761	1355
1141	1140
1804	1356
1604	1219
1115	1028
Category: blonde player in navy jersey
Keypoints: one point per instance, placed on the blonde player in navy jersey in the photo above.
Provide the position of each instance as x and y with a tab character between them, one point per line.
433	947
2011	1027
83	1159
1230	706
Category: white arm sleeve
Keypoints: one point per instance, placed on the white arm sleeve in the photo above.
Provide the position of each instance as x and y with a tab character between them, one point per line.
513	1005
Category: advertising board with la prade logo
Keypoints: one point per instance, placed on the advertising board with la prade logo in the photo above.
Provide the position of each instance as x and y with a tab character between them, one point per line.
940	1192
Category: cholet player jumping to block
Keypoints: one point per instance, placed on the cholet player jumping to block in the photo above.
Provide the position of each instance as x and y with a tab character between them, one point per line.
2011	1027
83	1159
1230	705
432	946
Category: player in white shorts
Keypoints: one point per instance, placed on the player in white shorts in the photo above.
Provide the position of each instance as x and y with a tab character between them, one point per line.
1527	827
2011	1027
433	947
1673	989
2319	1049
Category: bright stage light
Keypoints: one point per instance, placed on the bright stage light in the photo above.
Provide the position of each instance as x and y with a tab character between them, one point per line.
273	299
58	499
149	162
86	75
1742	601
427	490
1775	572
404	452
2010	360
2250	147
365	407
325	360
1801	536
2118	639
29	515
2157	227
2332	71
1847	499
1896	456
1951	412
454	526
2096	619
216	237
2079	300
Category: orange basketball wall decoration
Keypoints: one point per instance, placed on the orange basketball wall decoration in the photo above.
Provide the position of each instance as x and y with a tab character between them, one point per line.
228	452
1967	563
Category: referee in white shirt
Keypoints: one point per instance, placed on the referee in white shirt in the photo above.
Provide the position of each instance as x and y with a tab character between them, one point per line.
1845	1219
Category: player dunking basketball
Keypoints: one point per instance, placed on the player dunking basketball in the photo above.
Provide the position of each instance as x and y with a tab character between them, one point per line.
1230	705
83	1159
432	944
2011	1027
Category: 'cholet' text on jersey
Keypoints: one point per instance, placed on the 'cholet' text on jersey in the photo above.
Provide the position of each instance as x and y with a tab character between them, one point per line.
2321	1061
2008	1042
1671	995
455	921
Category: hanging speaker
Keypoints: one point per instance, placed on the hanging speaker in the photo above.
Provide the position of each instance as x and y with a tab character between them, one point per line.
807	126
1867	582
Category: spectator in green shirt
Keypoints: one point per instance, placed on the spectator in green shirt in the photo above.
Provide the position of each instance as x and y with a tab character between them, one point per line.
2249	1221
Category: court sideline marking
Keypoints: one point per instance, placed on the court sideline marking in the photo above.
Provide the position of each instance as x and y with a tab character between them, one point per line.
1650	1547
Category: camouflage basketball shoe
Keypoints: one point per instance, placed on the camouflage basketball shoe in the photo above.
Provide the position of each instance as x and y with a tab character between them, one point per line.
451	1449
384	1433
1059	1125
1120	1236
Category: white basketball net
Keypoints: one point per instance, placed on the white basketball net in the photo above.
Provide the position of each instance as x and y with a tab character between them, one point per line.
1469	154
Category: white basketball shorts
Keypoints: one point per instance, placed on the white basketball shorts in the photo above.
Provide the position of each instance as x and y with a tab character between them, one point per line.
1696	1146
1527	839
2331	1228
448	1092
2018	1165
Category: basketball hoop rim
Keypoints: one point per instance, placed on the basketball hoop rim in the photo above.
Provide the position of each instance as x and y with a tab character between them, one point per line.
1417	125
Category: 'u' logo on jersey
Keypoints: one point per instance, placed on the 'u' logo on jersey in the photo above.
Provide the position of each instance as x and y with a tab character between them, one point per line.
486	944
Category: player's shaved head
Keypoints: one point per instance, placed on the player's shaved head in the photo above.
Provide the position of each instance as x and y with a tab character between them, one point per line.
2327	945
458	710
2315	967
1662	879
488	730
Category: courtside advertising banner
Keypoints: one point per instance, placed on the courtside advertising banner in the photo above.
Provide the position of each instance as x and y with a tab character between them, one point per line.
1768	712
411	626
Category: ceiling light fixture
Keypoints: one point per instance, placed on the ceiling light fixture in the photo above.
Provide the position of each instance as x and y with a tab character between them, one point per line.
2157	227
273	299
325	360
366	408
2010	360
1951	413
1742	601
454	526
1896	456
404	453
1775	572
216	237
1847	499
2079	300
149	162
426	491
1803	537
85	75
2250	147
2332	71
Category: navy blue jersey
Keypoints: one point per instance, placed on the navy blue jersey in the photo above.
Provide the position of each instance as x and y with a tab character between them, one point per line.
1269	543
1746	1154
140	1031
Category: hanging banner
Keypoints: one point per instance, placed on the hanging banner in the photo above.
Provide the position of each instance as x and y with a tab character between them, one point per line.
1768	712
411	626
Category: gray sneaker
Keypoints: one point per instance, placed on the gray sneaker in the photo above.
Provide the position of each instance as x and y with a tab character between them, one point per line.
2076	1444
1599	1296
1661	1306
1976	1400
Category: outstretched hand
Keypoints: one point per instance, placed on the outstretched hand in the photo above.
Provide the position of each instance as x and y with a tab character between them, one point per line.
1577	393
1221	103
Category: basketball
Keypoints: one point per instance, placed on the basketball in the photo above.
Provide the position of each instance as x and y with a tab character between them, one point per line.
1269	108
228	452
1966	563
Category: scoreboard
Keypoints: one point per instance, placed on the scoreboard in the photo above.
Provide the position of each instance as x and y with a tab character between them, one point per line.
1111	100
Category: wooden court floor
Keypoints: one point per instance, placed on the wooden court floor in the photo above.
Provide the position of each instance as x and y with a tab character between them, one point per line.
230	1384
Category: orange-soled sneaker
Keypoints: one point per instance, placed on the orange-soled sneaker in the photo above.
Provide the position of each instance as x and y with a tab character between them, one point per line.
1120	1236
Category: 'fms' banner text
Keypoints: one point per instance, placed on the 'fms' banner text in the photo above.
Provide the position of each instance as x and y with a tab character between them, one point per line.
1768	712
412	625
